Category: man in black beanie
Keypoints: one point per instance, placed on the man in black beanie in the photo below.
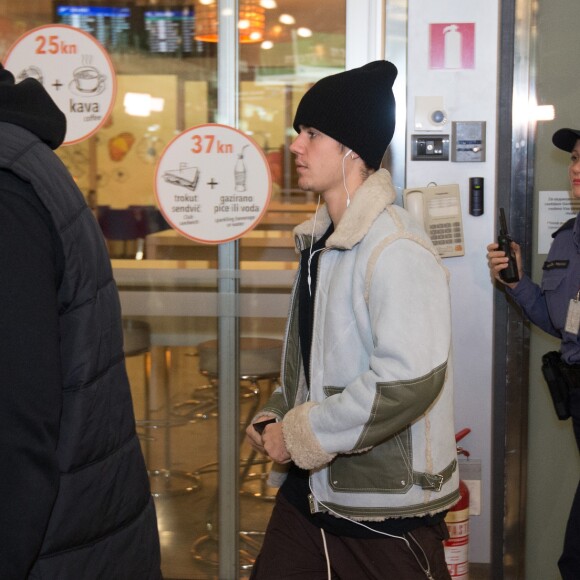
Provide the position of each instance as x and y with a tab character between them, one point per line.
363	419
75	501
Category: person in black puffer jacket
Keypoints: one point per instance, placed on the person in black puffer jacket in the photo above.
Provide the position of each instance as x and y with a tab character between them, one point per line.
75	501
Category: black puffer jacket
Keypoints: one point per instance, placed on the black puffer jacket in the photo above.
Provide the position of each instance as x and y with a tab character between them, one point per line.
88	512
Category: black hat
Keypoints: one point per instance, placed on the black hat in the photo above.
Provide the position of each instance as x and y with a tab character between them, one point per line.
356	107
565	139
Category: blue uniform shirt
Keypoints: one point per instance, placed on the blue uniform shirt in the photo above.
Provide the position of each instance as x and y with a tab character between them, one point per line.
547	305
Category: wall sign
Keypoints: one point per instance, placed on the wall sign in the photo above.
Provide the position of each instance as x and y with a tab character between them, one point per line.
213	183
554	209
452	45
74	69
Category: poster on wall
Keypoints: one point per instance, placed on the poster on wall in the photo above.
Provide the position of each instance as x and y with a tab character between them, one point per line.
452	45
75	70
555	208
213	183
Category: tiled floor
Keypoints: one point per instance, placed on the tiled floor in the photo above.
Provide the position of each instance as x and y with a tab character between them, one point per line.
187	518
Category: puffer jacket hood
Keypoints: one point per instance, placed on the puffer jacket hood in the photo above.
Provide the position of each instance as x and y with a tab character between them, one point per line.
28	105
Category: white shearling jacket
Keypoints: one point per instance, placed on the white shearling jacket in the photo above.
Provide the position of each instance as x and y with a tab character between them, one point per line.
376	429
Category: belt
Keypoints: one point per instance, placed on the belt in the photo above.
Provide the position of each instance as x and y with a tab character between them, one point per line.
434	481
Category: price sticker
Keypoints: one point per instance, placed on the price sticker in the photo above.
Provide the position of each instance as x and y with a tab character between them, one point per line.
213	183
75	70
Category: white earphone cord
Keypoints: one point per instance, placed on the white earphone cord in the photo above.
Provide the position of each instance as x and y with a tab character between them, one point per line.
326	554
426	569
311	244
316	215
344	178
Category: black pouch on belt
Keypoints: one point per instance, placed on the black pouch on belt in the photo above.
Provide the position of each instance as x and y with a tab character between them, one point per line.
557	384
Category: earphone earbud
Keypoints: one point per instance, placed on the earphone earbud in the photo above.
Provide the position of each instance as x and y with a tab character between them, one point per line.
348	153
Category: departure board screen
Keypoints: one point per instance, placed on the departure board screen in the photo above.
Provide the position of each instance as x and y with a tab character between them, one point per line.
111	26
169	30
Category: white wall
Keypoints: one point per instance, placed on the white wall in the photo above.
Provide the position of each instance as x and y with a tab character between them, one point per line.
468	95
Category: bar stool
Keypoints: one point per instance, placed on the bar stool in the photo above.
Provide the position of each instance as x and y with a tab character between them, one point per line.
137	342
260	360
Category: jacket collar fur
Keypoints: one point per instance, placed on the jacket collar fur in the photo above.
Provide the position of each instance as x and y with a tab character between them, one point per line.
371	199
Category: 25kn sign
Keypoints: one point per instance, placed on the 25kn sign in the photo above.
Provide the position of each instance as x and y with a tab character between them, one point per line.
53	44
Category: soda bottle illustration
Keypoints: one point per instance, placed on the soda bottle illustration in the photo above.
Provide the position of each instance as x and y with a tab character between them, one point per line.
240	171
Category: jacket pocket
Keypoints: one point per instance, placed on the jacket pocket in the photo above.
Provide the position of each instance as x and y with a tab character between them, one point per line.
554	288
385	468
552	279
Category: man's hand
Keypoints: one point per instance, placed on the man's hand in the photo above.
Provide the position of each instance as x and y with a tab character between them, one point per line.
254	438
273	441
270	443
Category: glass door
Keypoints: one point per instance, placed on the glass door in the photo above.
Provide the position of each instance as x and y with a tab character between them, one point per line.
552	448
203	323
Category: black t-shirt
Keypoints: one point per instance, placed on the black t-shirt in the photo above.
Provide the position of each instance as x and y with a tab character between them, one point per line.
296	488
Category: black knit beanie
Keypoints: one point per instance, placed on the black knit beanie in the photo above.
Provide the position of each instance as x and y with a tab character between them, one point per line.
355	107
27	104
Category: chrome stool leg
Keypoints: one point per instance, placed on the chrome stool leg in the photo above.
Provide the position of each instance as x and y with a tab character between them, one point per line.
205	549
259	361
203	403
165	481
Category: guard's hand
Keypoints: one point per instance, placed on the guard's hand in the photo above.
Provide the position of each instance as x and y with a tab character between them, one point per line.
498	261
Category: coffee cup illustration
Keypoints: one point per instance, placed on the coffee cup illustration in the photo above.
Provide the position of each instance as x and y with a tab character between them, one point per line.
87	79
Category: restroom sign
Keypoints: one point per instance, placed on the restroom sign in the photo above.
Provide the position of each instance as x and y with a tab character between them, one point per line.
74	69
213	183
452	45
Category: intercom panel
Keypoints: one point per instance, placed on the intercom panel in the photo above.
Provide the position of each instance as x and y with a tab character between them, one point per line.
438	209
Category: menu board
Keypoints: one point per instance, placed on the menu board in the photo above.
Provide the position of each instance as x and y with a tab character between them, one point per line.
169	30
127	27
111	26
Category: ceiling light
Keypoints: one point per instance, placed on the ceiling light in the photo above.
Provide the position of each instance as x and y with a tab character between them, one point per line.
142	104
287	19
276	30
268	4
251	24
304	32
543	113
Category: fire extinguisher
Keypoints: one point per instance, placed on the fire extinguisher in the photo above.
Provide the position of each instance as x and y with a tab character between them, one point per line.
457	520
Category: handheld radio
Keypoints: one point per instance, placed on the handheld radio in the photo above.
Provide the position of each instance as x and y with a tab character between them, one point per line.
509	274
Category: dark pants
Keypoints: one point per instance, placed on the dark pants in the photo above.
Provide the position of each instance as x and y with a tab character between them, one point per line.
294	550
569	562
